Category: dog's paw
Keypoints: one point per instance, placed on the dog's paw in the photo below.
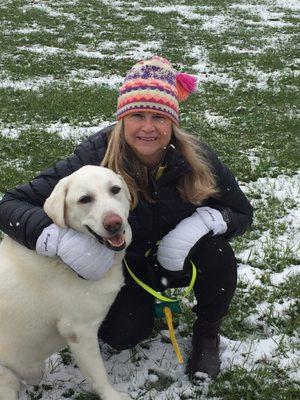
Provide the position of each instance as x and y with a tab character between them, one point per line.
125	397
117	396
122	396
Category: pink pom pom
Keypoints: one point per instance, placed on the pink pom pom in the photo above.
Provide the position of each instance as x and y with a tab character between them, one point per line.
186	84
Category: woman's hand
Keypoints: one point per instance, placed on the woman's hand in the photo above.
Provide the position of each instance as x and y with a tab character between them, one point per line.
84	254
213	219
176	245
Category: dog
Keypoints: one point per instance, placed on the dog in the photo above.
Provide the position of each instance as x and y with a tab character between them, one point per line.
44	305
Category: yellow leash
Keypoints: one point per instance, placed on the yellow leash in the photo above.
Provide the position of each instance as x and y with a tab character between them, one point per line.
166	310
168	315
157	294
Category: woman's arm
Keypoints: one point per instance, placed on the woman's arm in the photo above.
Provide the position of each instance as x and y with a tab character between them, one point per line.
232	206
231	201
21	210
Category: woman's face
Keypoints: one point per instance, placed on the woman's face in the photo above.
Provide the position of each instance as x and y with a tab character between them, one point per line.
147	133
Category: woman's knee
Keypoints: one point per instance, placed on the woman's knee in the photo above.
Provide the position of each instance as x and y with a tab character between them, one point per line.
214	254
216	265
126	337
130	319
216	279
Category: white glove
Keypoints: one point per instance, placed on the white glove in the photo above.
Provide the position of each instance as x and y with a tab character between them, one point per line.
84	254
213	219
176	245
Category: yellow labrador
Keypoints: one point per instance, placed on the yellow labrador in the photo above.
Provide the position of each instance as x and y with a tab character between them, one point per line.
44	305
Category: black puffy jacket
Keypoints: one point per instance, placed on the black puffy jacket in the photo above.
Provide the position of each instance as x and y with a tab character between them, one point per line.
22	216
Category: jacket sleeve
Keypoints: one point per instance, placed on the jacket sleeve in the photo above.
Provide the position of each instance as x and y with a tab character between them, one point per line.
231	201
21	209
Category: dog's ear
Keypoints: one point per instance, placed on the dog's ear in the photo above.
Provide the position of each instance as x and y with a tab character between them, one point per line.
54	206
127	193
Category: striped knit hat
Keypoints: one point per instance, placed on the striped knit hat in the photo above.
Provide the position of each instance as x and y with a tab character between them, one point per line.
153	85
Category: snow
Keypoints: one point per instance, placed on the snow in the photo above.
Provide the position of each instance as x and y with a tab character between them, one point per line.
250	275
66	130
42	50
217	23
27	84
89	78
288	4
50	11
216	120
248	352
280	277
283	188
12	131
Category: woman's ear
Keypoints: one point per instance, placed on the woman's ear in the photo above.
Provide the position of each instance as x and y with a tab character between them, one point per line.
54	206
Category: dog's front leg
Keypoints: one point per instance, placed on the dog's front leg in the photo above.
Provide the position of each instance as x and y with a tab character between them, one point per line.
83	343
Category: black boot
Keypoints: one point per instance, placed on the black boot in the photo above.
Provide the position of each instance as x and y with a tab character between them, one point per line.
205	354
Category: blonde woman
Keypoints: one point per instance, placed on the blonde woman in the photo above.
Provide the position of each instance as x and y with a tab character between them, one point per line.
182	196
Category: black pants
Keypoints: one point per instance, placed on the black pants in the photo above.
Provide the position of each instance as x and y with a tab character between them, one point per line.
131	317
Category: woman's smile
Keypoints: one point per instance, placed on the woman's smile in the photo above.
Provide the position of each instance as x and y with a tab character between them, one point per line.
147	139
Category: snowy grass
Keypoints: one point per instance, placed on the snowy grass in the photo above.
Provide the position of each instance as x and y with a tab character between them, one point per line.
61	64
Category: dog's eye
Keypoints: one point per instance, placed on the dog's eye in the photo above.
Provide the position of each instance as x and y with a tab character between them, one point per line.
115	189
85	199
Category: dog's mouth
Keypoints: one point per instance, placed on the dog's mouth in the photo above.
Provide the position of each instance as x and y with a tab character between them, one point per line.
116	242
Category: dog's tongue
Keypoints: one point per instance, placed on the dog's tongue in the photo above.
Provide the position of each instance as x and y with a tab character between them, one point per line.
117	240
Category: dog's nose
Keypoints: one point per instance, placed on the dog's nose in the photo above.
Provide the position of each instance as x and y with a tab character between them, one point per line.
112	223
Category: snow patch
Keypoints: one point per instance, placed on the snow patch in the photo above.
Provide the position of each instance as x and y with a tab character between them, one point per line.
281	277
65	130
27	84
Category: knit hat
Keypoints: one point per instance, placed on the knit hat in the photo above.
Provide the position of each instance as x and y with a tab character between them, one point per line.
153	85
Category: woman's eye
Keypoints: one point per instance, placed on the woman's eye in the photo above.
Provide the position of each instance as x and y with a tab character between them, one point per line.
115	189
85	199
159	117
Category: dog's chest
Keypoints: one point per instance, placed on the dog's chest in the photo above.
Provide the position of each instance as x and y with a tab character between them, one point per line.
91	300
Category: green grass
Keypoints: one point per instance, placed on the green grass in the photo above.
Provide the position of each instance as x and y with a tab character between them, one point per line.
254	95
248	387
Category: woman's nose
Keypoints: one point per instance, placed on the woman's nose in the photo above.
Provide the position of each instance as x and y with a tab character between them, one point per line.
148	123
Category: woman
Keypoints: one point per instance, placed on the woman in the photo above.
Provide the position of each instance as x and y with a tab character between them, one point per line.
182	196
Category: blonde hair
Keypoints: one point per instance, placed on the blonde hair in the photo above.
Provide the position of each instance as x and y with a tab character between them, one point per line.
193	187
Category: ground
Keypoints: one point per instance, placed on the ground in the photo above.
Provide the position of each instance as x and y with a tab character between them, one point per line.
61	65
